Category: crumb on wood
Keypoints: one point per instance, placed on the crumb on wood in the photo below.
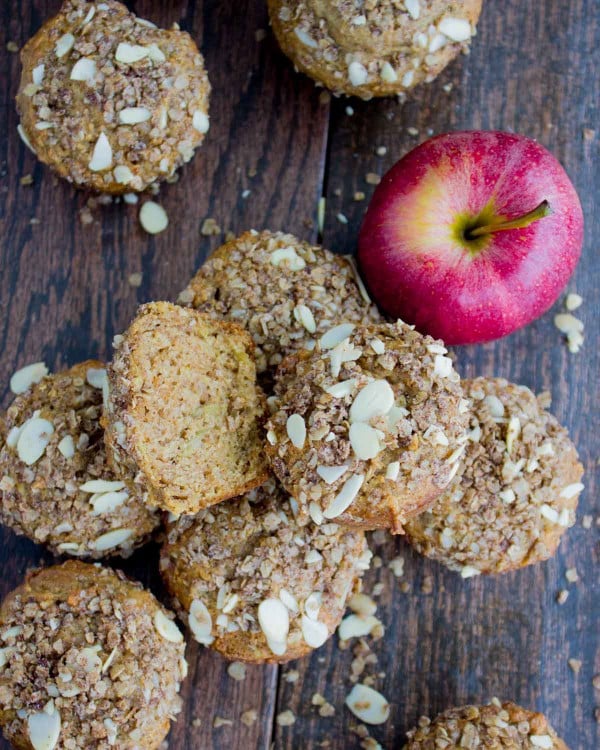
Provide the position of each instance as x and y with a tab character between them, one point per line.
210	228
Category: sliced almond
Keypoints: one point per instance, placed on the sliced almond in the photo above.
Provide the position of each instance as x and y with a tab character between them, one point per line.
456	29
442	366
495	406
414	9
130	53
102	156
368	705
296	430
336	335
108	502
341	389
153	218
542	740
468	571
96	377
373	400
330	474
200	622
167	628
387	73
33	439
312	605
37	74
513	431
134	115
289	256
289	600
94	486
200	121
571	490
345	496
83	70
64	45
364	440
23	379
315	633
67	446
43	729
357	73
155	53
112	539
274	621
361	604
305	38
304	316
122	174
24	137
354	626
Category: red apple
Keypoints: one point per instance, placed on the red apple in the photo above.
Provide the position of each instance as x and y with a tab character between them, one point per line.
471	235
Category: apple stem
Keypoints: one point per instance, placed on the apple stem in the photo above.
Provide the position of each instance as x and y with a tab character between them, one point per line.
521	221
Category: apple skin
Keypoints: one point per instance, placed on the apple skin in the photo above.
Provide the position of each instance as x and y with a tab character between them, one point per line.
418	269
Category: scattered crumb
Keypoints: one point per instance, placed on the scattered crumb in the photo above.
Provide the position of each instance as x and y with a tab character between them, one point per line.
338	192
573	301
447	87
249	717
131	199
324	97
291	676
349	111
571	575
197	722
236	670
575	665
587	521
317	699
597	714
260	34
246	194
596	681
381	150
342	218
252	172
135	279
359	195
376	562
589	134
412	131
219	721
405	587
427	585
12	47
378	589
321	214
372	179
229	235
562	596
85	216
286	718
572	327
397	566
26	180
326	710
171	179
210	228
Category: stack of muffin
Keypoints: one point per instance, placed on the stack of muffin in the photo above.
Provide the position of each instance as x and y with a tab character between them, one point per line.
268	419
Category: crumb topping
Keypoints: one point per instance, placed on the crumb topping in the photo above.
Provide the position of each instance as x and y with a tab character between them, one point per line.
285	292
250	568
109	99
519	488
497	725
374	419
55	482
86	662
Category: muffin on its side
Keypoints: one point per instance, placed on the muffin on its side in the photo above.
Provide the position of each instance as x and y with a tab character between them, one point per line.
108	100
257	584
369	428
56	486
518	492
373	48
184	409
497	725
89	660
285	292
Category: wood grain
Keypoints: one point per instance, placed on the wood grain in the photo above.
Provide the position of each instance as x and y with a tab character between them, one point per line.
64	289
64	292
531	70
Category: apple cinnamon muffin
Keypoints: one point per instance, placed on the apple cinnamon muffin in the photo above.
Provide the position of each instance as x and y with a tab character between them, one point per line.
88	660
184	409
108	100
56	486
369	428
496	725
373	47
255	582
518	492
285	292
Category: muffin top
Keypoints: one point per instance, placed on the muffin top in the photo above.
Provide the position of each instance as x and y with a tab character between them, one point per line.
370	427
55	482
89	660
497	726
109	100
518	491
255	582
373	47
285	292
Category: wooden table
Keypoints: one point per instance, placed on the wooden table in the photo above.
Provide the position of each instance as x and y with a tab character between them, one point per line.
65	291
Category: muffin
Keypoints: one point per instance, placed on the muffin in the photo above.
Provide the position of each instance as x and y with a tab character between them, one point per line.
496	726
256	583
108	100
373	47
89	660
370	427
184	409
518	491
284	292
56	486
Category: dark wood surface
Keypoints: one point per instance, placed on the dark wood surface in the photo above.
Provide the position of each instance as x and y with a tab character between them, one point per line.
65	291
